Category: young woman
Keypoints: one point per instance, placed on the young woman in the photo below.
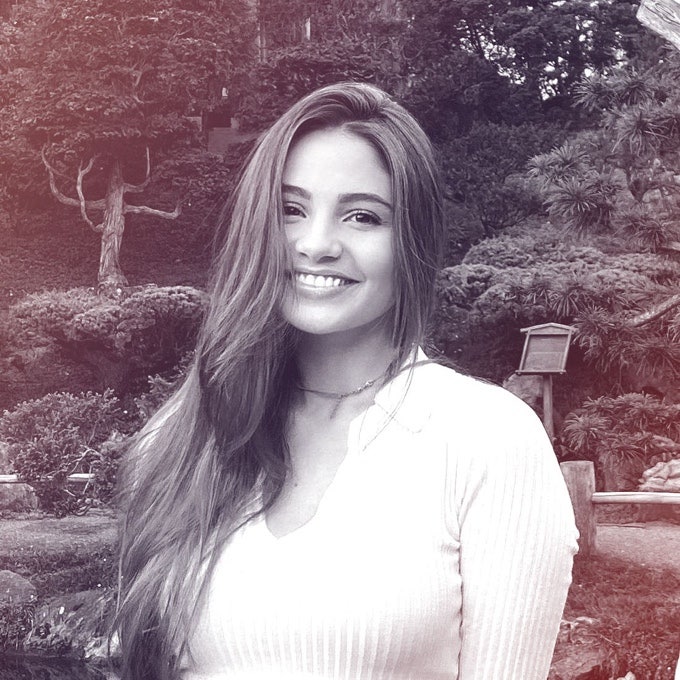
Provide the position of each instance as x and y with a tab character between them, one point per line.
319	500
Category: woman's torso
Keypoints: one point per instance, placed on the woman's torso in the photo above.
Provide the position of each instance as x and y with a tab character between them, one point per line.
367	588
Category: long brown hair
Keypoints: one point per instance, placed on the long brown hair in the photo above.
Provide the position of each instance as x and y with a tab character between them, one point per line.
220	441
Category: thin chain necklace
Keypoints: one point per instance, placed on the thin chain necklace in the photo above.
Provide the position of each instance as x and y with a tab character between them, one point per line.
339	396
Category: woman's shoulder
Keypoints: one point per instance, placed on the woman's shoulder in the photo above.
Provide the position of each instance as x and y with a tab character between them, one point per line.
445	386
465	407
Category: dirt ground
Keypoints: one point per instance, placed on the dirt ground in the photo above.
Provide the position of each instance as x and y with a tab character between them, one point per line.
650	544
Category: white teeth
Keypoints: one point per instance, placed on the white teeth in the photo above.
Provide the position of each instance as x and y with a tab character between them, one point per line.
320	281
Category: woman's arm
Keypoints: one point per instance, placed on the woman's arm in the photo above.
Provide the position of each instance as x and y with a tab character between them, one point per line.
517	541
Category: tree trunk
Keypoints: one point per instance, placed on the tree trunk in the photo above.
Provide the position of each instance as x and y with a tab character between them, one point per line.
110	274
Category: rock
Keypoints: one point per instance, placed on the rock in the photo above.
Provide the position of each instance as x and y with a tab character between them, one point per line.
17	498
579	654
664	476
15	589
74	625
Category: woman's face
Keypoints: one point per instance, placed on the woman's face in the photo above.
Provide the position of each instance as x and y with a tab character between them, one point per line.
337	203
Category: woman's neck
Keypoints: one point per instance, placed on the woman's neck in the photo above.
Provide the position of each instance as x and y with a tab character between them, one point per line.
332	364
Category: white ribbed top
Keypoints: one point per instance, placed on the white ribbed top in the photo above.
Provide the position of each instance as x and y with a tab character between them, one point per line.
442	549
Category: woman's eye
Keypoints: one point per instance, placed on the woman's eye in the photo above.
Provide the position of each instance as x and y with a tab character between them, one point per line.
363	217
291	210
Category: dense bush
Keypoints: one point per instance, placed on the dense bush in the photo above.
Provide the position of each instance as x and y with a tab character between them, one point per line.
58	435
539	274
482	170
117	340
204	181
16	621
624	436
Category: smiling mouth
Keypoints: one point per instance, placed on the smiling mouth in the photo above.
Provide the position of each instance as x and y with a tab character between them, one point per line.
317	281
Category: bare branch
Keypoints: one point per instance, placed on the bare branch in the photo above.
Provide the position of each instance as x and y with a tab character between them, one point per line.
79	202
145	210
138	188
655	312
66	200
79	188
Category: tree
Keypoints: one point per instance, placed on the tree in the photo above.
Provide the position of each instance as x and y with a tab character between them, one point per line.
305	45
621	178
102	89
511	60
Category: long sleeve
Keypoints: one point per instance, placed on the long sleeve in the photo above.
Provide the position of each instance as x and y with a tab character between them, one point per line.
517	541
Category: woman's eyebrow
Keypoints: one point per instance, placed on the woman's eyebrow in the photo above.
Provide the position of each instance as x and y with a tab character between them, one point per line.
351	198
298	191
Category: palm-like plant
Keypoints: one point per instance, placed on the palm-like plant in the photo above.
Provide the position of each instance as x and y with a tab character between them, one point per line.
585	203
604	92
562	163
639	130
646	230
624	435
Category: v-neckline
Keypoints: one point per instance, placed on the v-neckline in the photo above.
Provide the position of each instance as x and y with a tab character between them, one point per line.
352	448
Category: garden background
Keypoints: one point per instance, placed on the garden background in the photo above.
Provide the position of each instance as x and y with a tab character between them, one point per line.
122	128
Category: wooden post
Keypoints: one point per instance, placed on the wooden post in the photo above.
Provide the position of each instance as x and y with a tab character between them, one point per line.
580	478
548	406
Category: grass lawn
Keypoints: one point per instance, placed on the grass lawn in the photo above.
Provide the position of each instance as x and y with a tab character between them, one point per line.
61	555
630	613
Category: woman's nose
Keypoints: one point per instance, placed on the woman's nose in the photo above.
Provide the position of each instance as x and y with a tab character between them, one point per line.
318	239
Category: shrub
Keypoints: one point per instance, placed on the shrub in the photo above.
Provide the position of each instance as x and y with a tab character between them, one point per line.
481	170
104	466
624	436
119	339
585	203
58	435
644	228
16	621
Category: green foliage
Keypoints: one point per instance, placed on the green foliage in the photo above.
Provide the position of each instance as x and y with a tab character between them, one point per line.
203	180
124	338
68	570
536	275
584	203
565	162
42	315
267	89
160	389
599	92
92	88
55	436
588	183
100	76
144	325
645	229
104	467
482	170
508	61
16	621
612	344
633	612
626	434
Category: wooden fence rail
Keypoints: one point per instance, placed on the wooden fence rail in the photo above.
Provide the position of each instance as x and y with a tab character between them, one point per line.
76	478
580	478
